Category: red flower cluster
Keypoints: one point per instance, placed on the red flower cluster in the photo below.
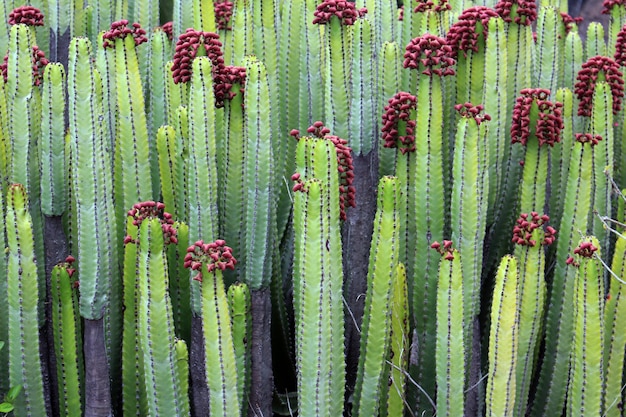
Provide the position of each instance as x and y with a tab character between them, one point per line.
549	118
588	138
299	183
523	230
27	15
469	110
585	249
187	49
67	264
464	34
569	21
424	5
217	255
318	130
344	10
609	4
522	12
168	28
620	48
396	118
223	13
401	13
590	74
119	30
148	209
446	250
431	53
223	81
39	63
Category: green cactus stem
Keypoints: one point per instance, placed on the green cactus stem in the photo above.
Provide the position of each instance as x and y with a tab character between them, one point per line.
451	351
375	330
179	282
4	312
68	343
182	373
595	45
210	259
23	296
584	392
388	85
503	340
548	52
203	15
311	86
239	304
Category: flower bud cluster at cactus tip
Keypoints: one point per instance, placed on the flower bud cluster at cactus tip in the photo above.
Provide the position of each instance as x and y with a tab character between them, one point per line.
168	28
397	113
344	10
153	209
588	138
445	250
464	35
223	81
401	13
27	15
425	5
569	22
431	53
39	63
549	119
214	255
120	29
526	224
589	75
585	250
609	4
187	49
620	48
522	12
299	186
223	13
471	111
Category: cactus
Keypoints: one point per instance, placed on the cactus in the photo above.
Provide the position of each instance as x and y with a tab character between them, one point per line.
239	304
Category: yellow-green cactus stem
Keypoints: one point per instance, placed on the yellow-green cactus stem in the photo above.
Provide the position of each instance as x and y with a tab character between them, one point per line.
503	340
375	330
105	64
154	320
210	260
5	157
203	15
239	304
175	96
52	148
179	282
584	391
182	17
182	373
23	296
548	52
68	344
614	332
311	106
595	45
560	155
4	312
388	85
451	351
169	152
241	41
572	58
181	124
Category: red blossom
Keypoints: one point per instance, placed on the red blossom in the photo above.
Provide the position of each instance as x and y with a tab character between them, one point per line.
588	138
344	10
430	54
444	250
569	21
549	122
585	250
119	30
522	12
223	14
318	130
223	81
620	48
596	69
401	13
39	63
609	4
27	15
153	209
425	5
187	49
470	28
469	110
525	226
168	28
398	129
214	255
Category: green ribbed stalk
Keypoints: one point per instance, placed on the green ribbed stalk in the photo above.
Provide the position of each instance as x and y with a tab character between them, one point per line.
560	154
572	58
336	69
5	145
595	45
156	324
202	170
179	282
375	330
532	295
617	18
470	72
363	101
132	149
61	17
615	333
203	15
559	319
535	171
4	309
23	297
547	52
503	340
450	354
175	95
221	363
105	64
390	65
68	343
427	191
92	183
398	362
311	107
102	13
144	12
317	359
181	124
242	42
584	392
384	15
169	150
52	149
182	373
239	304
5	28
259	179
317	158
182	17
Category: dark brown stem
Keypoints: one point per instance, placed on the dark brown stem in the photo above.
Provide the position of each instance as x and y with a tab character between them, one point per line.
197	369
261	378
97	384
